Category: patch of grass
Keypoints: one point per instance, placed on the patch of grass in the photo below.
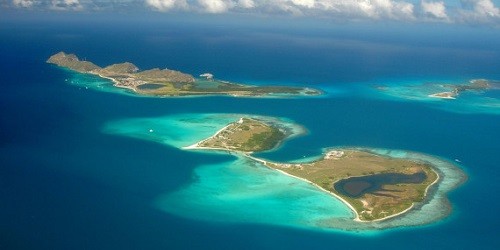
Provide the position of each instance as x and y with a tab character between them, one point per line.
390	200
264	140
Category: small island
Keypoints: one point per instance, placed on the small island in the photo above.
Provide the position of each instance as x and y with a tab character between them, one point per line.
375	187
247	135
455	90
166	82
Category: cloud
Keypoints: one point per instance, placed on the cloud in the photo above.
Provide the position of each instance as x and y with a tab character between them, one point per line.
246	4
66	5
479	11
371	9
166	5
23	3
464	11
434	9
304	3
358	9
216	6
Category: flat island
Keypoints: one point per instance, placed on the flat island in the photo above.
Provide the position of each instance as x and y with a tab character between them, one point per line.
375	187
166	82
456	89
247	135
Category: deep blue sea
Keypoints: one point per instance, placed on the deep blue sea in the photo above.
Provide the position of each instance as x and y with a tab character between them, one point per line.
64	184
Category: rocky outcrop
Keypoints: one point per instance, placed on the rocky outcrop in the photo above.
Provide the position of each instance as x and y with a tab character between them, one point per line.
122	70
71	61
164	75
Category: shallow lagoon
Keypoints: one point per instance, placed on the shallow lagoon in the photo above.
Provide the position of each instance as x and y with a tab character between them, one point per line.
468	102
357	186
69	186
224	192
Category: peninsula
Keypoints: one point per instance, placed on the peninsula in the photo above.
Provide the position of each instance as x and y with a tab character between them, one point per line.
166	82
375	187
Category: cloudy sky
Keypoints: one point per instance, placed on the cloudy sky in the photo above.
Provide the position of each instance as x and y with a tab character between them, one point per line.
447	11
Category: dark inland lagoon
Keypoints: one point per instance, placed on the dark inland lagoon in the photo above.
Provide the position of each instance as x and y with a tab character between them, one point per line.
64	184
357	186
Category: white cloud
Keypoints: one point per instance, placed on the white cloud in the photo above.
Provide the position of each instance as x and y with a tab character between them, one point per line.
434	9
23	3
216	6
246	4
66	5
304	3
469	11
394	9
166	5
371	9
483	7
480	11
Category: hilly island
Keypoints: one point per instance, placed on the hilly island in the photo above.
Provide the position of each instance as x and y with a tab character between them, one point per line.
167	82
374	186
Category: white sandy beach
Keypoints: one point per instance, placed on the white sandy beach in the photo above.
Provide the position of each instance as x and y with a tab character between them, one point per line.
444	95
197	146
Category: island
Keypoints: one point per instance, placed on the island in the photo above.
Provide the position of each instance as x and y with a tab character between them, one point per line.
247	135
456	89
376	187
167	82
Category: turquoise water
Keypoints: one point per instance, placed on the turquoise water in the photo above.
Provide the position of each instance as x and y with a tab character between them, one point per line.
178	131
186	129
469	102
68	181
225	191
472	102
243	191
89	81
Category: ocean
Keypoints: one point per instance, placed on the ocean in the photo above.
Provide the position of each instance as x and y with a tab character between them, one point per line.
66	182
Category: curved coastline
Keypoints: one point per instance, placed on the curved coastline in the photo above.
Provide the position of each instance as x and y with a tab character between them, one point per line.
291	129
264	163
452	95
172	83
434	207
108	84
383	152
381	221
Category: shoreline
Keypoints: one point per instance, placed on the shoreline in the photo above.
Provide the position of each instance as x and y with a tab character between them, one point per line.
357	218
301	94
264	162
427	210
444	95
116	83
292	130
196	145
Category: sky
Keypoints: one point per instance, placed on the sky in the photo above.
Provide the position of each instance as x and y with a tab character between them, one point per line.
459	12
